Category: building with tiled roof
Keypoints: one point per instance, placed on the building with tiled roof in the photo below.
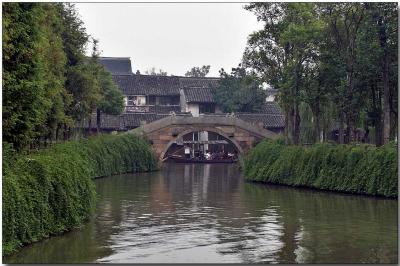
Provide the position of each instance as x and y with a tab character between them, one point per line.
198	95
117	65
197	82
150	97
148	85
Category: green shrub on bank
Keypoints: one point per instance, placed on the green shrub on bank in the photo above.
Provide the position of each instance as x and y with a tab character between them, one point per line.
361	169
51	191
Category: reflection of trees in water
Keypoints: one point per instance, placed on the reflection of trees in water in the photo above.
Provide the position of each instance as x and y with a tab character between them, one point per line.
252	222
77	246
328	227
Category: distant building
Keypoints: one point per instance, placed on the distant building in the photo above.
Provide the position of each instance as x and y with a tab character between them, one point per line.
149	97
117	65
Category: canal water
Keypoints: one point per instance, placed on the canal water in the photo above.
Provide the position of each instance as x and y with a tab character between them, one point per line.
208	213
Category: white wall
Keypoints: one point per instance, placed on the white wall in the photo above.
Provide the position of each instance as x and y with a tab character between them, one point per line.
203	136
182	100
270	98
193	108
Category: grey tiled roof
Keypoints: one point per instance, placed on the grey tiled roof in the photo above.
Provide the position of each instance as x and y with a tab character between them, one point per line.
107	122
133	120
272	108
266	120
117	65
198	82
198	95
147	85
270	117
124	121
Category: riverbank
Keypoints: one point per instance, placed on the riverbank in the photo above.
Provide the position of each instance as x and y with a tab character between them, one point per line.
359	169
51	191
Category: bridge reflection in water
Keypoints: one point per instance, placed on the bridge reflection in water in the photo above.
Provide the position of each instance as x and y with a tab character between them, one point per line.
207	213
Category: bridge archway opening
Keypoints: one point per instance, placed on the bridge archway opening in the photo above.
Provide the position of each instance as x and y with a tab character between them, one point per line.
199	142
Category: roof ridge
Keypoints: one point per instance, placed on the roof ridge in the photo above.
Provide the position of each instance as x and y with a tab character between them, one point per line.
260	114
110	57
198	77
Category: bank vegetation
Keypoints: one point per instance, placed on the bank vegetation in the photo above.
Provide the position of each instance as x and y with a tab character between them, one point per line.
51	191
360	169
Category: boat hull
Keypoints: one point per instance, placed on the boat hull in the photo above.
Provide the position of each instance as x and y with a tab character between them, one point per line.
184	160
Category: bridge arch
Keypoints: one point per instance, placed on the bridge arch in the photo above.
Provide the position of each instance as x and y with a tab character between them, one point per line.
209	129
164	132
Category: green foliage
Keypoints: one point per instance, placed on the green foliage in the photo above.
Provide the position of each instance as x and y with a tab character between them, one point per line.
239	92
340	59
24	91
51	191
156	72
113	100
48	83
361	169
198	71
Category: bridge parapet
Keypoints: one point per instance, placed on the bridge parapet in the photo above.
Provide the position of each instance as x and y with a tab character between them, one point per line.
164	132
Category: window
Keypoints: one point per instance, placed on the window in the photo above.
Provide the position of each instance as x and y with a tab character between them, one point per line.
136	100
151	99
206	108
165	100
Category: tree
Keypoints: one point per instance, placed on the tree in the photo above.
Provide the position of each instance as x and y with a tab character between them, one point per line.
283	51
338	58
239	92
49	86
198	71
155	72
79	79
111	100
33	72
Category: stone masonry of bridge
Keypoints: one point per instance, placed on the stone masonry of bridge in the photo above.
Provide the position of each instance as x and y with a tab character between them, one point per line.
164	132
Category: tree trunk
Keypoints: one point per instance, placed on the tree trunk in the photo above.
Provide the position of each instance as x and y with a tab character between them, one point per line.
317	130
57	132
98	117
385	81
386	102
296	124
290	124
341	128
287	123
65	132
316	123
378	131
90	126
377	113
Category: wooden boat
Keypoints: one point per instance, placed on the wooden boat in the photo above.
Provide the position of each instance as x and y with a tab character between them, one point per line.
180	159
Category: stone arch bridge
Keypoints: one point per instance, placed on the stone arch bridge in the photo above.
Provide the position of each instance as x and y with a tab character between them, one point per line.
165	132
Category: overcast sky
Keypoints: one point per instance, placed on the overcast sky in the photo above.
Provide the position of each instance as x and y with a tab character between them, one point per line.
171	36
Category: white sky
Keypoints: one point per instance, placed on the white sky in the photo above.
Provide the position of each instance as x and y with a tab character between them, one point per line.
171	36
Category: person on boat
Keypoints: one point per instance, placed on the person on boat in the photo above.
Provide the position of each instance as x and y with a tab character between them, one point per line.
187	152
208	155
